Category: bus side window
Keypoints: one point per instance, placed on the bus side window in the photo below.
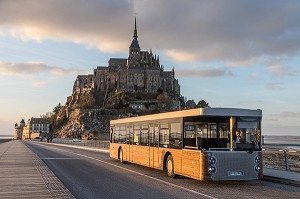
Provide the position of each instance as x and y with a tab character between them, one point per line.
122	134
164	134
176	136
136	134
144	135
116	135
156	135
189	134
128	134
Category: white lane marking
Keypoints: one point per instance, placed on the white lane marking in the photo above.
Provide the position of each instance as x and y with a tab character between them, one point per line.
60	158
156	179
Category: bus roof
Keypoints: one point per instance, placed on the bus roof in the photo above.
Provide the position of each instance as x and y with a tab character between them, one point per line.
192	112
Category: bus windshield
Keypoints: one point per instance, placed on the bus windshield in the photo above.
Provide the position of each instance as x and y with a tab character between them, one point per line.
248	131
220	133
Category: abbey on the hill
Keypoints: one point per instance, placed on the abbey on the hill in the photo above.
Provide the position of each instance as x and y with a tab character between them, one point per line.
140	72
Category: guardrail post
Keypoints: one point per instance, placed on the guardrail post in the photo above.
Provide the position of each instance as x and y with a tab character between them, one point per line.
286	161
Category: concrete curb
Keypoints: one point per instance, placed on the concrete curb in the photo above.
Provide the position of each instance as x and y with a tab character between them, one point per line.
80	147
281	180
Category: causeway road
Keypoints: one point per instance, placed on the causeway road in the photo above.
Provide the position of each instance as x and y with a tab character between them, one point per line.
92	174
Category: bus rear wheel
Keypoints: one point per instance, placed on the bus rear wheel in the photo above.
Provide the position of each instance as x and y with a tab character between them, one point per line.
121	156
170	167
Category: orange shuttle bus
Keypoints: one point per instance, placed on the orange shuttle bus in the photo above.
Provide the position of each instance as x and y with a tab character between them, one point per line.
198	143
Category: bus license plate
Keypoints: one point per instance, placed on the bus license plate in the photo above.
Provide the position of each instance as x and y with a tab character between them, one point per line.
235	173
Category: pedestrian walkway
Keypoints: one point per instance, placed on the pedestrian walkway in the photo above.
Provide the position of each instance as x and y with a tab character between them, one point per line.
24	175
284	177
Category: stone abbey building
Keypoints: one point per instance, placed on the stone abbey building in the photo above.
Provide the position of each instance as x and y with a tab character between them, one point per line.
140	72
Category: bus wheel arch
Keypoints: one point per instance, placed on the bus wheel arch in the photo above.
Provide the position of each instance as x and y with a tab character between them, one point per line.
165	160
121	155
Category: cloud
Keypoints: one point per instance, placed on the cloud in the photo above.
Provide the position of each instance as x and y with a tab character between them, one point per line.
203	72
274	86
280	123
272	119
286	114
291	114
93	23
278	70
39	84
281	129
253	75
180	56
32	68
237	32
234	31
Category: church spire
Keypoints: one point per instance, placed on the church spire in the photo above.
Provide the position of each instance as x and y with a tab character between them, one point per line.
134	49
135	43
135	30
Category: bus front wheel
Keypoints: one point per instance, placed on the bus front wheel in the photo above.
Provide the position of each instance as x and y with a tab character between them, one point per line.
121	156
170	167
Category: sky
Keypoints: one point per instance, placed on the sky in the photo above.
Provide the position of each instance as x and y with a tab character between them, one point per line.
233	53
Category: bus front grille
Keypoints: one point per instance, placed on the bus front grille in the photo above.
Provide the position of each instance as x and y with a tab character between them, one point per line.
233	165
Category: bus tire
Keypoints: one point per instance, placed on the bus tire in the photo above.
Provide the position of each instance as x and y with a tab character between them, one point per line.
170	167
121	156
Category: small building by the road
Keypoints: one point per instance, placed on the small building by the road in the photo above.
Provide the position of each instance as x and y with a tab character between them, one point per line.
19	130
36	128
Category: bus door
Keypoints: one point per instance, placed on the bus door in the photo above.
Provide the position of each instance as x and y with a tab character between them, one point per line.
153	145
190	156
129	133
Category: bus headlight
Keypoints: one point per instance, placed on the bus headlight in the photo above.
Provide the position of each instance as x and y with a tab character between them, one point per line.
257	159
211	169
257	168
212	160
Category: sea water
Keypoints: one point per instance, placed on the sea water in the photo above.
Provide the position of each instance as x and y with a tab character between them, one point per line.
284	141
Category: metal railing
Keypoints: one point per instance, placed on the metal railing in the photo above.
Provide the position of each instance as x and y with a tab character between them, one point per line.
88	143
281	158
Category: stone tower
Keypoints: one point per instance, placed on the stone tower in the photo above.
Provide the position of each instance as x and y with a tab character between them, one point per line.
19	130
134	49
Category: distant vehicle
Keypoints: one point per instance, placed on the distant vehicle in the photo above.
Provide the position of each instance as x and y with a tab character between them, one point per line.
76	140
197	143
93	138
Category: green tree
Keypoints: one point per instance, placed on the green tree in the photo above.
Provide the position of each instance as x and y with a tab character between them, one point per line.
117	100
182	101
202	104
190	104
57	108
163	101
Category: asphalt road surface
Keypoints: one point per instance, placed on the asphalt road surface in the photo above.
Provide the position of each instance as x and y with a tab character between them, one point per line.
89	174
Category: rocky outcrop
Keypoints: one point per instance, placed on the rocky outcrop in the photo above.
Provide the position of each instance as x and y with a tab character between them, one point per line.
94	120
